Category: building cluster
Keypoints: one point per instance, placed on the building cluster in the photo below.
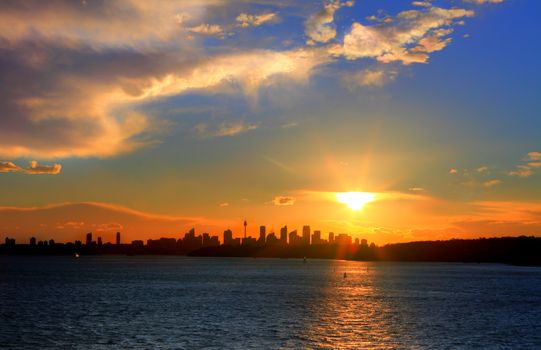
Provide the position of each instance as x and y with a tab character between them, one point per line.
191	241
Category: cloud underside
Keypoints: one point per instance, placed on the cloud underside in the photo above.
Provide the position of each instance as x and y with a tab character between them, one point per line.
75	75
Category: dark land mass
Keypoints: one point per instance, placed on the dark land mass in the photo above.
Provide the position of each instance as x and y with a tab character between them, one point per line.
511	250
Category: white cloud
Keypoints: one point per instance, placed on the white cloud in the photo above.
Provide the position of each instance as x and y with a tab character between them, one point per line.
371	77
408	38
521	171
480	2
421	3
492	183
320	27
482	169
534	156
208	30
246	20
224	129
533	160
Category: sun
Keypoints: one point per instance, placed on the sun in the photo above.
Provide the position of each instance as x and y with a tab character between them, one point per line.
355	200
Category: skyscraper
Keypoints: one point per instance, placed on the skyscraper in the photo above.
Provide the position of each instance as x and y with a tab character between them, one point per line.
316	237
245	224
228	237
331	237
262	234
89	238
283	235
306	235
118	238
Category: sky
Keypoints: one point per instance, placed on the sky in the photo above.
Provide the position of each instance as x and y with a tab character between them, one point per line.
152	117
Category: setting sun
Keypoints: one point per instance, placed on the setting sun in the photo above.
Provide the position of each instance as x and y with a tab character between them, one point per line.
355	200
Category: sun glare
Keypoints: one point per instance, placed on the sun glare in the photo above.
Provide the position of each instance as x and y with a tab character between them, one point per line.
355	200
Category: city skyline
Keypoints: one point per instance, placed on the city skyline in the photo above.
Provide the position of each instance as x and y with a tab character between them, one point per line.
394	121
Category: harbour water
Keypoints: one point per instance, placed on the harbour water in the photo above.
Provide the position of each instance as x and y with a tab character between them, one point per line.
160	302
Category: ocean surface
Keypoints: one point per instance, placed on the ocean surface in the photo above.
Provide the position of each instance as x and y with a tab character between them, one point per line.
110	302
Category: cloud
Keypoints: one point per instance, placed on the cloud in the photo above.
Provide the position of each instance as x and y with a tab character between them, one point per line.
416	189
224	204
533	160
90	107
136	23
320	27
371	77
283	200
534	156
453	171
6	167
117	57
482	169
245	20
408	37
421	3
521	171
492	183
34	168
208	29
224	129
480	2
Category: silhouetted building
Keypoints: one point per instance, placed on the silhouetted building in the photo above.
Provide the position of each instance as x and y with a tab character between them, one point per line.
294	239
33	241
262	234
137	243
100	242
51	242
364	242
306	235
192	242
331	237
249	241
343	239
283	235
316	237
89	239
10	241
271	239
118	238
245	224
356	241
228	237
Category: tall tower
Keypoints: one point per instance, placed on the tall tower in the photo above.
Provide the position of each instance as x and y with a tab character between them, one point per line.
118	238
245	224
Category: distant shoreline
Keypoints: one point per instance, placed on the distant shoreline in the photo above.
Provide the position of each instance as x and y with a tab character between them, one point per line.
521	250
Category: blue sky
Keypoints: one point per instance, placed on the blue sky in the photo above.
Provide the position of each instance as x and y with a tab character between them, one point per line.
212	110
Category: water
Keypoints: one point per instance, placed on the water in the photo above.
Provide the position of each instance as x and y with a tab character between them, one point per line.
113	302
